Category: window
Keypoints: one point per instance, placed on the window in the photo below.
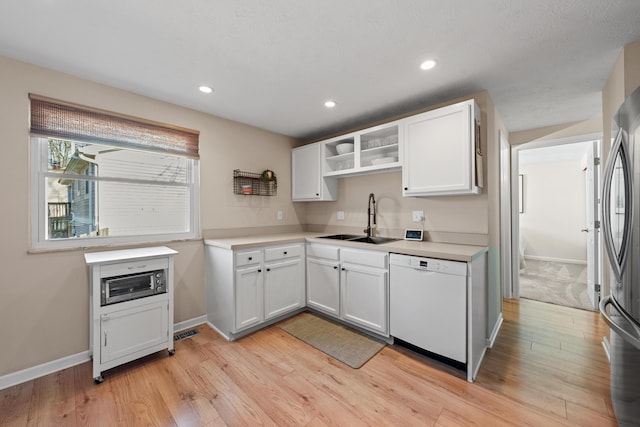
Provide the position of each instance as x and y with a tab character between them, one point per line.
93	190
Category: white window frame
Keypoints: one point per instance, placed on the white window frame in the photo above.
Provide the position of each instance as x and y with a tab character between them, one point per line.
39	215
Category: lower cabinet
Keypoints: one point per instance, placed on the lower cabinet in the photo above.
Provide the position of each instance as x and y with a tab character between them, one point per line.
364	280
251	288
323	279
349	284
133	329
248	297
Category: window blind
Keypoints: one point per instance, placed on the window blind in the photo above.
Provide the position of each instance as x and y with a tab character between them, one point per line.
58	119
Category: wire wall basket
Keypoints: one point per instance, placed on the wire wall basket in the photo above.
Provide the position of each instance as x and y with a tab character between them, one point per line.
252	184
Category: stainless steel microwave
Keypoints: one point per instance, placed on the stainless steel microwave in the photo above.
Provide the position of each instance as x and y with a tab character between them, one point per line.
132	286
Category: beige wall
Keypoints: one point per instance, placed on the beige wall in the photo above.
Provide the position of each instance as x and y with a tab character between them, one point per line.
44	312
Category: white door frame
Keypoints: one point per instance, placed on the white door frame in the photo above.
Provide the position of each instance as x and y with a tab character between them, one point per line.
505	216
515	195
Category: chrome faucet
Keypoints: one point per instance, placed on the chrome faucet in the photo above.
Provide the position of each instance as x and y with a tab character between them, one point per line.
372	202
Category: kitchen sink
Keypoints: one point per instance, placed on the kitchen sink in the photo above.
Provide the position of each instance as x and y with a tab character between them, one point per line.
359	238
374	240
342	236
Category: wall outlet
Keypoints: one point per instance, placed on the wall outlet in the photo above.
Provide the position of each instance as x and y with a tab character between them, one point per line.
280	215
340	215
418	216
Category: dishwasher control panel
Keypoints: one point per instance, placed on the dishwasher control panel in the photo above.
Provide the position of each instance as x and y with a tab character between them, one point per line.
430	264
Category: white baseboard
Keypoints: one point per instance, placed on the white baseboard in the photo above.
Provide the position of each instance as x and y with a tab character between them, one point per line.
32	373
196	321
47	368
496	330
565	260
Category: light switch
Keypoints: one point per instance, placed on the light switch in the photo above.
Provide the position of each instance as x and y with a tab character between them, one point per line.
340	216
418	216
280	216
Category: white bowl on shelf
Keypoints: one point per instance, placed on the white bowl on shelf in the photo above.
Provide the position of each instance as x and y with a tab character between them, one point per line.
344	148
383	160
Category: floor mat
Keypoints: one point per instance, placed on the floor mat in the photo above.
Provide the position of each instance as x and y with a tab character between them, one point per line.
346	345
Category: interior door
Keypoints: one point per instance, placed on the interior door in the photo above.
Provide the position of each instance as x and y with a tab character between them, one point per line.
593	225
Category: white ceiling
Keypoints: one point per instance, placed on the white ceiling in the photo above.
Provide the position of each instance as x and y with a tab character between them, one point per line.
273	63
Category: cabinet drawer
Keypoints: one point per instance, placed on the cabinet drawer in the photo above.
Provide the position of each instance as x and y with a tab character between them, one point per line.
363	257
323	251
140	266
248	257
282	252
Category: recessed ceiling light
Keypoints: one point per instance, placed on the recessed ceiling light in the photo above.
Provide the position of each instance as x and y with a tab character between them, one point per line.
205	89
428	64
329	104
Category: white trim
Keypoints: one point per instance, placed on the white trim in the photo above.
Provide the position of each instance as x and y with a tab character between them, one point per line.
212	326
47	368
196	321
496	330
564	260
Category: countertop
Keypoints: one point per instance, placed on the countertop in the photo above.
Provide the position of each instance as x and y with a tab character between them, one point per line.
127	254
448	251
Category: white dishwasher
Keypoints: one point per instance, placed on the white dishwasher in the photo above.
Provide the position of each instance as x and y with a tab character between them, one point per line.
428	304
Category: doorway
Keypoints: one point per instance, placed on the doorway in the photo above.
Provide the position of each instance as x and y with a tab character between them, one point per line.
555	193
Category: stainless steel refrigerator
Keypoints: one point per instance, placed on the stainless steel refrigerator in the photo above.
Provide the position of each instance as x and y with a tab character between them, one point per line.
621	228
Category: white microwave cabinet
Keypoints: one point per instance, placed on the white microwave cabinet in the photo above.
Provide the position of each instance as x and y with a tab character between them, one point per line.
127	330
252	288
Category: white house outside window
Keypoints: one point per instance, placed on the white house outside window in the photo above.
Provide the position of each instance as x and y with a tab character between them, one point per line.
94	190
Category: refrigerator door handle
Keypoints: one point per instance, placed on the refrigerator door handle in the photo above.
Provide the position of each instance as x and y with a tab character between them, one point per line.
616	260
633	340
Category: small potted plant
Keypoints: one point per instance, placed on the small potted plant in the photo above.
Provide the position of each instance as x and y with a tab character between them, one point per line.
270	181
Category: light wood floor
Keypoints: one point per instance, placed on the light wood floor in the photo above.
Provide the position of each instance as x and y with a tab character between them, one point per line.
547	368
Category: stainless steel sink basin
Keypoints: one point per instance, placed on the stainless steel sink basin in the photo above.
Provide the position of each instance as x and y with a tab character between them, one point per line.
359	238
342	236
374	240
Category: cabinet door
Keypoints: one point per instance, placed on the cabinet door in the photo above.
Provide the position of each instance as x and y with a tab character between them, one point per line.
323	285
307	180
439	154
365	299
248	297
283	287
124	332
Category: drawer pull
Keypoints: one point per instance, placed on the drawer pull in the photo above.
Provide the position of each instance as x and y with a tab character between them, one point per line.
268	269
137	267
285	252
250	258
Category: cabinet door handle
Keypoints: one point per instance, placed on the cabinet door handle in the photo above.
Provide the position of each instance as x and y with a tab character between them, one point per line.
335	267
259	270
105	338
285	252
317	194
268	269
343	269
250	258
406	188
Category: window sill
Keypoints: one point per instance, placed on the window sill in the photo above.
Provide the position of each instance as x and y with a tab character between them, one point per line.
37	251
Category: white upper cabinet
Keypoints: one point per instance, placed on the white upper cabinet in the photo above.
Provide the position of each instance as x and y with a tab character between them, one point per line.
375	149
308	183
442	154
